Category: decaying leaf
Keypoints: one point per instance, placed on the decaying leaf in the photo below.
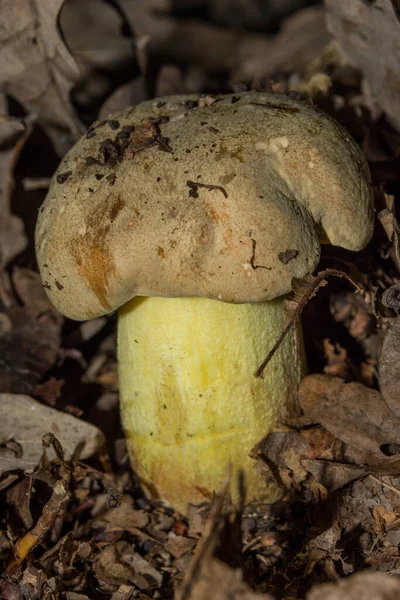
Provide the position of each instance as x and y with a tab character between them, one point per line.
358	27
37	68
389	371
371	585
286	451
352	412
30	335
23	422
221	582
346	431
387	217
13	134
119	564
323	547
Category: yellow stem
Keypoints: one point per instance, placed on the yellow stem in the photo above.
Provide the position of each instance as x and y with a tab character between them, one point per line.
190	402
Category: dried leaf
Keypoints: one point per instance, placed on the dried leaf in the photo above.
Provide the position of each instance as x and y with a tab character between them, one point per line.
391	226
389	373
374	586
30	336
353	413
358	27
37	68
124	592
13	134
178	545
323	547
25	421
286	452
383	518
124	517
220	582
118	564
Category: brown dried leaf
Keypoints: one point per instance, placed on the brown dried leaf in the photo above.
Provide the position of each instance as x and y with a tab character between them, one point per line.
178	545
353	413
390	224
220	582
124	592
37	68
336	356
123	517
13	134
322	547
383	519
389	373
25	421
30	336
118	564
374	586
333	475
286	452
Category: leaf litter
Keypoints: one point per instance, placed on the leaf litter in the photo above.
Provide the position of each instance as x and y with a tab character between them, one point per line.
73	530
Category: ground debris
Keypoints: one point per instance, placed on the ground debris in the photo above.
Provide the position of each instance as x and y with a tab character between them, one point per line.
30	335
374	586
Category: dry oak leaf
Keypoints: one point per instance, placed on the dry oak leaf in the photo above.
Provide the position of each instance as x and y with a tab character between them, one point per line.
23	422
220	582
13	134
389	374
358	26
352	412
37	68
367	584
30	335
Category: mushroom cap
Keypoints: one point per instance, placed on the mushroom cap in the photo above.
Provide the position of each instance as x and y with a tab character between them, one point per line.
225	198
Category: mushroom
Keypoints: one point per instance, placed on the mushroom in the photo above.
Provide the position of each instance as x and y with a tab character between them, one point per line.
192	216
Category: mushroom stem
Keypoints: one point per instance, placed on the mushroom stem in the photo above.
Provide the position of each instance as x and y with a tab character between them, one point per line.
190	402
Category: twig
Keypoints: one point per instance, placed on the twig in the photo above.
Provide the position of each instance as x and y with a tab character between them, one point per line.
34	537
313	287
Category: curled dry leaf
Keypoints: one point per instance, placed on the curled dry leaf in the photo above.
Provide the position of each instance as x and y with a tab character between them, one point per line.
374	586
23	421
389	373
37	68
221	582
352	412
13	134
118	564
352	433
323	547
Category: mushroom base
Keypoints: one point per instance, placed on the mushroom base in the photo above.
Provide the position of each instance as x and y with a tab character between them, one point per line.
190	402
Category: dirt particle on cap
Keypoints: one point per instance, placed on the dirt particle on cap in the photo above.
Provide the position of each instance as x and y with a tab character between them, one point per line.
113	124
287	256
111	178
62	177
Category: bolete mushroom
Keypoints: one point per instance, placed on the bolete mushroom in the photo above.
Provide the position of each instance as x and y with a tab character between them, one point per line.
192	216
